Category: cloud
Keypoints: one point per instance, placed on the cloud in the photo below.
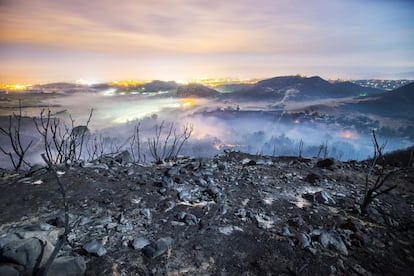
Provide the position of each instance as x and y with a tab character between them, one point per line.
180	34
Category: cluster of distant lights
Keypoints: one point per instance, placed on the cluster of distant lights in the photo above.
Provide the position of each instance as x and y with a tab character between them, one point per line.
14	87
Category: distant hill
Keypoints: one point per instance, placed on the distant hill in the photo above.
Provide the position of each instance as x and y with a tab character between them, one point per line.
228	88
396	103
196	90
302	89
158	85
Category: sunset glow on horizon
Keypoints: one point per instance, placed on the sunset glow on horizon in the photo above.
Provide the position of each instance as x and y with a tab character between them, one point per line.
49	41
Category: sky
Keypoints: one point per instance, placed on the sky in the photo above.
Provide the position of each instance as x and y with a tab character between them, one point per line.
102	40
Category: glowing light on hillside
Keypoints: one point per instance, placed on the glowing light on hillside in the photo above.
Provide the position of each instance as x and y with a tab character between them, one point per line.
187	102
126	83
85	82
13	87
347	135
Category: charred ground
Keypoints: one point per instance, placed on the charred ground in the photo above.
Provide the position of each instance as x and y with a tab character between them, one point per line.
235	214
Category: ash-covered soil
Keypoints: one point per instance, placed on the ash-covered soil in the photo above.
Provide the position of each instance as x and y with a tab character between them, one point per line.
235	214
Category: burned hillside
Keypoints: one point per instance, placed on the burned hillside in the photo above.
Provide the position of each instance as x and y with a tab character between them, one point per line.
234	214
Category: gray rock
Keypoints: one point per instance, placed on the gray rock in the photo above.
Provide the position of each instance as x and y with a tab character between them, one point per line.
286	231
221	166
60	220
158	248
248	162
8	270
325	163
94	247
84	220
324	198
123	228
121	218
303	240
68	265
213	190
146	213
353	225
191	219
167	182
241	213
96	166
27	252
166	206
201	182
331	239
296	221
104	220
130	171
51	236
174	171
312	178
264	222
181	215
185	195
124	158
139	243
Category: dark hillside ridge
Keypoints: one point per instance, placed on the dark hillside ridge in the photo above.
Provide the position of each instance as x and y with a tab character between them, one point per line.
196	90
302	88
398	103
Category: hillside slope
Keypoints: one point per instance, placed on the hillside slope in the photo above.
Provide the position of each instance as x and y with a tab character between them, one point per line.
235	214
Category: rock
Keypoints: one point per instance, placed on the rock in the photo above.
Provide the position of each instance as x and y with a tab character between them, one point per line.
312	178
146	213
123	228
84	220
181	215
124	158
94	247
331	239
228	230
191	219
67	265
173	171
121	218
248	162
241	213
264	222
130	171
104	220
360	270
167	182
325	163
158	248
8	270
51	236
221	166
139	243
286	231
353	225
303	240
27	252
201	182
296	221
96	166
323	197
60	220
185	195
213	190
166	206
